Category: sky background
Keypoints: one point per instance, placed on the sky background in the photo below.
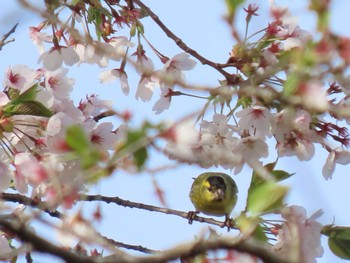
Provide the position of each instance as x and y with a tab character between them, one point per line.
201	27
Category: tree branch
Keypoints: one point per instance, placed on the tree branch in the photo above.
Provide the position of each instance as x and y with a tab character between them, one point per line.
231	78
197	247
13	225
168	211
36	203
3	41
21	199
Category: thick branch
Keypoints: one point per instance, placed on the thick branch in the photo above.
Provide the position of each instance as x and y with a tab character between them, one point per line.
15	227
188	250
229	77
127	203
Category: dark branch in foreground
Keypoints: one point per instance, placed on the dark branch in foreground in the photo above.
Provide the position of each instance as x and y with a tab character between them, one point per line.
11	224
197	247
3	41
229	77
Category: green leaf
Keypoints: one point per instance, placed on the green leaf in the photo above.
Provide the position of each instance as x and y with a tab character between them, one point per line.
266	197
76	139
29	94
340	232
340	247
232	6
339	240
259	234
140	155
80	145
278	175
291	84
18	107
281	175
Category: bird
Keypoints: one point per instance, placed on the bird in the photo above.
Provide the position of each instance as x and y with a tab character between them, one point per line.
215	194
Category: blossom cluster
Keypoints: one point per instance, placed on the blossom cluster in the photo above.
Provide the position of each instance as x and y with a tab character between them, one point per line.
36	112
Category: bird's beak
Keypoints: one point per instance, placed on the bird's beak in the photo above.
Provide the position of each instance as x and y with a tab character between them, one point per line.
219	194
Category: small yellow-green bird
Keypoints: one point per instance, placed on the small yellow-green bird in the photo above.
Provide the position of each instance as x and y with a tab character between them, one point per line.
214	194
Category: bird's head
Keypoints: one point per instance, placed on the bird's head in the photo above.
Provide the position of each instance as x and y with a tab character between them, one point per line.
214	188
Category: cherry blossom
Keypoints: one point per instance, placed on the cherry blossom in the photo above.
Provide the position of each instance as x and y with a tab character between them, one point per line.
299	238
171	72
163	103
313	96
111	75
58	83
53	59
20	77
217	143
250	150
339	156
5	177
145	89
293	135
39	37
256	120
5	249
181	138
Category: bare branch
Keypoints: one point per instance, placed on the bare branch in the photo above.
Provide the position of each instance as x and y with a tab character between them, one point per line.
3	41
231	78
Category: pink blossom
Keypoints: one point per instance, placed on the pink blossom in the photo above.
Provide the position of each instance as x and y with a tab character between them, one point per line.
313	96
339	156
54	58
256	120
216	143
30	168
39	37
299	238
250	149
93	106
102	136
163	103
293	135
5	177
171	72
20	77
58	83
145	88
5	249
181	137
114	74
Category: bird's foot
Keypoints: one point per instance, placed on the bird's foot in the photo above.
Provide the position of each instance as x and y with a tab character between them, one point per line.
191	215
228	223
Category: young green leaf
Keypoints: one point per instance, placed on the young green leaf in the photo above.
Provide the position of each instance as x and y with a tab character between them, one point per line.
339	240
18	107
266	197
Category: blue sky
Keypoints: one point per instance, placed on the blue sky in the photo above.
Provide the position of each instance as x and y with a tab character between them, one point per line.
200	26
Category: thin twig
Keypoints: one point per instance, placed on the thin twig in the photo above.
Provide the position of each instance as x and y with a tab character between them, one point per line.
3	41
231	78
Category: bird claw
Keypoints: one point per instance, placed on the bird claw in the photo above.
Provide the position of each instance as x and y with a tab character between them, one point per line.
191	215
228	223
